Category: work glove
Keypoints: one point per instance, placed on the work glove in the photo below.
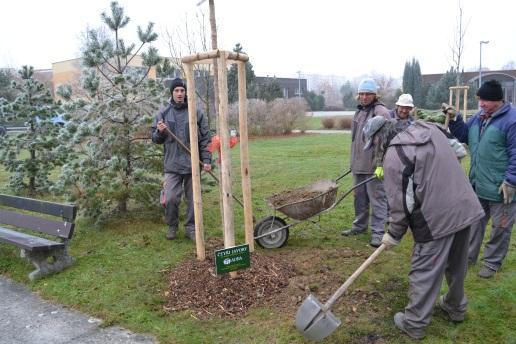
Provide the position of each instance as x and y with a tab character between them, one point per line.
449	110
389	241
508	192
379	172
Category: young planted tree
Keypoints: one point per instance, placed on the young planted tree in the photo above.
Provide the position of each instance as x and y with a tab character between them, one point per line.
457	48
30	156
115	164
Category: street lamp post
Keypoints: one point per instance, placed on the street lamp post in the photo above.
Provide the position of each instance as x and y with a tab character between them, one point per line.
480	67
299	84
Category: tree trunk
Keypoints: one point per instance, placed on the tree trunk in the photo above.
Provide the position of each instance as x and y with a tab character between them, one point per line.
32	177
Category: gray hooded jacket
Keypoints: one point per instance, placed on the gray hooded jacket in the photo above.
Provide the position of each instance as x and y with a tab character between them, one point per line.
176	159
362	161
426	187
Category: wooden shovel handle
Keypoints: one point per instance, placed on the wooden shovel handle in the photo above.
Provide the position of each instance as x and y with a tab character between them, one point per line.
200	162
352	278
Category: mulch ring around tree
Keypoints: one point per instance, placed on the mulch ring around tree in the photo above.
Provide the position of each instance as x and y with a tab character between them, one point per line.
194	286
282	280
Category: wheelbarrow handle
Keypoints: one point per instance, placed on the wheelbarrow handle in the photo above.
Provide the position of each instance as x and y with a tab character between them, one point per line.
345	174
352	278
349	191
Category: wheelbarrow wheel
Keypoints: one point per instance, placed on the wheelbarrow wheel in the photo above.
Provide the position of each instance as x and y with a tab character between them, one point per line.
275	240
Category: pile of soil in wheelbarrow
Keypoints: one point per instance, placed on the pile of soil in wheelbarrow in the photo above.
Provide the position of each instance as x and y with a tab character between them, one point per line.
193	285
302	194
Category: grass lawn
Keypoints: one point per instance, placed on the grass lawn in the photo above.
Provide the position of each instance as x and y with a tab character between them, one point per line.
119	270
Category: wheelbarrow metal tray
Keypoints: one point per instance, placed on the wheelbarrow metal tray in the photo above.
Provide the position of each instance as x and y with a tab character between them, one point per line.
307	201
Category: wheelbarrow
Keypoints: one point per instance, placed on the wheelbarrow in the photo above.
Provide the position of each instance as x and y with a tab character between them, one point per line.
300	204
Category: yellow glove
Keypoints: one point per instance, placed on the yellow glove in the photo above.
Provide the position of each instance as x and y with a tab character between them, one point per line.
379	172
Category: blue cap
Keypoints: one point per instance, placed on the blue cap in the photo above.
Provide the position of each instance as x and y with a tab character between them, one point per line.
367	86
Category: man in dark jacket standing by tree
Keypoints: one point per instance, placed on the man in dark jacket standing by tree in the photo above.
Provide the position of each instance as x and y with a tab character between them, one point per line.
177	162
491	137
363	166
427	191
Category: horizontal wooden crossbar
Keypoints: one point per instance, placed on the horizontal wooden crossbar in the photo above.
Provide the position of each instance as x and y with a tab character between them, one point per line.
210	55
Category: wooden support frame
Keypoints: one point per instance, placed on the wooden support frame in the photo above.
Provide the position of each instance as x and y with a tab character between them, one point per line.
222	58
458	90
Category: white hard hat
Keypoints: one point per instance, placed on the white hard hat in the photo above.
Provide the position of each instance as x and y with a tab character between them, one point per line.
405	100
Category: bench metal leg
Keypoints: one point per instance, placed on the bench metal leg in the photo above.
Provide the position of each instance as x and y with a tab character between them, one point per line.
48	262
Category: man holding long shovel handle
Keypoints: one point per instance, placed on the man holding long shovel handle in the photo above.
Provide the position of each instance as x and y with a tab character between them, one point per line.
170	128
204	167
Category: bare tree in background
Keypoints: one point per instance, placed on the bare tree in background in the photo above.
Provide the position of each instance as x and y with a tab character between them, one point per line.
386	89
457	48
186	39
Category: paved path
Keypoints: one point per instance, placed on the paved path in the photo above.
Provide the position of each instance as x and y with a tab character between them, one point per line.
27	319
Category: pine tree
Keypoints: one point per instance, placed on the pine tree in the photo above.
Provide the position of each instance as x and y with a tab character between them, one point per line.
439	92
30	156
413	81
233	78
115	163
6	91
348	96
417	91
268	90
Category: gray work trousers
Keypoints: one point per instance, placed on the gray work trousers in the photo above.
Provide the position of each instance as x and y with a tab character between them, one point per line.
370	194
431	261
174	186
502	220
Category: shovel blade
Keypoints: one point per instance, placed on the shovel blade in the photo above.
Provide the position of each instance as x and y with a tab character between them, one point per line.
312	322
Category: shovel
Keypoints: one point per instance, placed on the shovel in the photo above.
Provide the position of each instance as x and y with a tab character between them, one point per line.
314	320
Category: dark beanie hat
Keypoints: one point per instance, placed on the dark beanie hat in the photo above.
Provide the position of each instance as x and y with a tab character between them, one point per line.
490	90
177	82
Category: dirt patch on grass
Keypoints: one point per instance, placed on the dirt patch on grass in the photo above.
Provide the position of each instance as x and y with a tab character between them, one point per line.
194	286
277	279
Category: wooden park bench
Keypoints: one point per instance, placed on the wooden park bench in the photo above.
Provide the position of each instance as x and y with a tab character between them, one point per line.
43	241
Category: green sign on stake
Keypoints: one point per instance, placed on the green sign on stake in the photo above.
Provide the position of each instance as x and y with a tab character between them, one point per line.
232	259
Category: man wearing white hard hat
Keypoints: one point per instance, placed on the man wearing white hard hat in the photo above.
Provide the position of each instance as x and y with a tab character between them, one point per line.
372	194
401	113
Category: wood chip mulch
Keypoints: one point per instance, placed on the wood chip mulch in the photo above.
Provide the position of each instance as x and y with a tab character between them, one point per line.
193	285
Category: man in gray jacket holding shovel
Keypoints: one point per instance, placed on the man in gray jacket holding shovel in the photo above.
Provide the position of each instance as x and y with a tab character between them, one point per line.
177	163
427	191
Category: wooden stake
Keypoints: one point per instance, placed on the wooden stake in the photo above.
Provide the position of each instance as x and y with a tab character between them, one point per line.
244	156
196	173
225	164
465	103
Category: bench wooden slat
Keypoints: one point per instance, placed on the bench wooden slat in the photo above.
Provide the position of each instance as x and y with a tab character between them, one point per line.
66	211
58	228
28	242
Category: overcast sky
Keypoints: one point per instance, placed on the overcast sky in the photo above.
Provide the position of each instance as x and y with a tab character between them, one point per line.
281	37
